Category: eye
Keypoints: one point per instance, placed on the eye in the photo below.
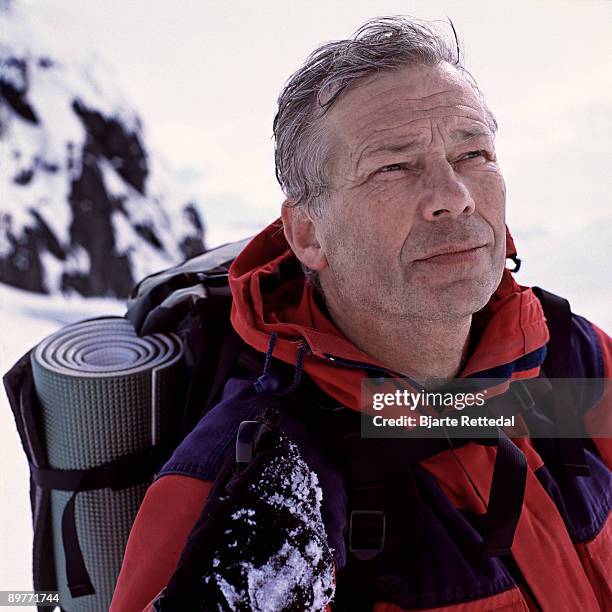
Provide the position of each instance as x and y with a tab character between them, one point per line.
472	155
392	168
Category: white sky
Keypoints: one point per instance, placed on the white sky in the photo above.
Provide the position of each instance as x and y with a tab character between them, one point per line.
205	77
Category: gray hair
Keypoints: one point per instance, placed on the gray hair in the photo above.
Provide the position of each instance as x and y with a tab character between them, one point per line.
381	44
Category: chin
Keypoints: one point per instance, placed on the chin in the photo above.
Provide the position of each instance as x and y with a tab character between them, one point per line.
457	300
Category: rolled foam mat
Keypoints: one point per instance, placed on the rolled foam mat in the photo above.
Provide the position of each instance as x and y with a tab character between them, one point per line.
104	393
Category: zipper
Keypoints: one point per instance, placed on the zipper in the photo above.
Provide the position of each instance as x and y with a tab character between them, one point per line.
349	363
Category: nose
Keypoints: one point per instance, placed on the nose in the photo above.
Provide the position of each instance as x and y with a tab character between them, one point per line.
444	193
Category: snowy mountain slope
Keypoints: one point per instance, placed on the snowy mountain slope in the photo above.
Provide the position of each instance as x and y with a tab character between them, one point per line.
84	205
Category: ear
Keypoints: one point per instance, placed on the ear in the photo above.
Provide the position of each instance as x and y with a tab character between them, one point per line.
300	233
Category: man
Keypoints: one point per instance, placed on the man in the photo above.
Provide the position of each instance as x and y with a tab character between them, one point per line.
395	211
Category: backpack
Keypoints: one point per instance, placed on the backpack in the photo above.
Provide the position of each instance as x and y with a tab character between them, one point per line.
193	300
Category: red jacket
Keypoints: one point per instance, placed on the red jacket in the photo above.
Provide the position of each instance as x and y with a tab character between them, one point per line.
511	327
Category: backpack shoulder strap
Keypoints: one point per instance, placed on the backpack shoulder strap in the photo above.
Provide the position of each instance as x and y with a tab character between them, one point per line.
559	319
557	365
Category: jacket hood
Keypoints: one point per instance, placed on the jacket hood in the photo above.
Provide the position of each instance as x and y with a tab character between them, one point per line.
275	308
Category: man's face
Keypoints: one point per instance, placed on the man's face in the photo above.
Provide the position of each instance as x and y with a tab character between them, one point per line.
413	173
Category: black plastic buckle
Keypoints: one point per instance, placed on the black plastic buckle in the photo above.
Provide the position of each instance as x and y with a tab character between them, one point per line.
367	531
249	437
522	394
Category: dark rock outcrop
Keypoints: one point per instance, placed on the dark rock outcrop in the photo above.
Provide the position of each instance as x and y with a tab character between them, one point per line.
81	209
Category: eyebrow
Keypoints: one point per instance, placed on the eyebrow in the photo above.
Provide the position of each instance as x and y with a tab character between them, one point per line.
410	146
463	134
403	147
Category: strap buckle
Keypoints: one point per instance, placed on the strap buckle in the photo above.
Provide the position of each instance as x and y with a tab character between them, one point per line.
367	531
249	436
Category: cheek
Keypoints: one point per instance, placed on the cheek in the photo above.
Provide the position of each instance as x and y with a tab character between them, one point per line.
369	225
489	196
387	214
390	204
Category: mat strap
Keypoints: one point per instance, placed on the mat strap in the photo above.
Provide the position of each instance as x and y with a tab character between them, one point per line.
121	473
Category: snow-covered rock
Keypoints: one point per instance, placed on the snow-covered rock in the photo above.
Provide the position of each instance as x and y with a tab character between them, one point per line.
84	204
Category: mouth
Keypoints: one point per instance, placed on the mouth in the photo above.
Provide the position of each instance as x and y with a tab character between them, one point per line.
454	255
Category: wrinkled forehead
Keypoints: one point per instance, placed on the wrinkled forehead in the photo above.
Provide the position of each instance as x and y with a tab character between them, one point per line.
409	100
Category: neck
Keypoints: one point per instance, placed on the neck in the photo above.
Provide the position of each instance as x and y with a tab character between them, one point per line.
424	350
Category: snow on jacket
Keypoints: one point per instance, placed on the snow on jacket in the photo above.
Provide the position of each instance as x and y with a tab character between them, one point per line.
562	549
